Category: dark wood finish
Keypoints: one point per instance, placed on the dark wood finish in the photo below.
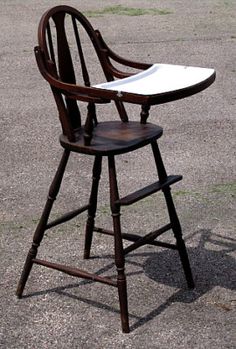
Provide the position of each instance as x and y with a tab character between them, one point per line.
84	93
134	238
42	225
119	251
67	217
144	240
99	139
176	227
144	113
75	272
148	190
97	168
113	137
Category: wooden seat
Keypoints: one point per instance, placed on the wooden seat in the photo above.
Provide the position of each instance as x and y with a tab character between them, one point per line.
113	137
61	35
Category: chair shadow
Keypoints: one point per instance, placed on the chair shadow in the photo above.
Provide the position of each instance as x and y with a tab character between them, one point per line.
210	267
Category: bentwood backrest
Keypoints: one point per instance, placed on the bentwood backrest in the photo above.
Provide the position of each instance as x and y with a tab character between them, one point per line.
61	55
62	61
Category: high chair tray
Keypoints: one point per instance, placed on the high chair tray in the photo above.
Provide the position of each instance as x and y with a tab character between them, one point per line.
163	79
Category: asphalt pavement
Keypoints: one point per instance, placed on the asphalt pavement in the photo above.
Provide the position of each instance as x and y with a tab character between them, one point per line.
58	311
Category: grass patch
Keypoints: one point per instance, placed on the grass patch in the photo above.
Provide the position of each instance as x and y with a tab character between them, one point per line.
228	2
228	188
189	193
126	11
225	189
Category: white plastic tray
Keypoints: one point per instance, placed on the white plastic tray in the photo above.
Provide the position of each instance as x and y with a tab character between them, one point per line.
160	78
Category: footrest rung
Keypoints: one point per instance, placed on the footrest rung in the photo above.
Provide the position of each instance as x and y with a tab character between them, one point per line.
75	272
148	190
144	240
135	237
67	216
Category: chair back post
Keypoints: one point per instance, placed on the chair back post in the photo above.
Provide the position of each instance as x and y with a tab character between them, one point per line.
106	64
144	113
62	110
59	63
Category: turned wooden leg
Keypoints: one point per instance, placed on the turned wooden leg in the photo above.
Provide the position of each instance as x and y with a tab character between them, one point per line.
119	253
39	232
176	227
97	167
175	224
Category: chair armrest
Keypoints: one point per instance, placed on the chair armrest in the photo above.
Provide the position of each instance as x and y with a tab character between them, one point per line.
104	93
110	54
83	93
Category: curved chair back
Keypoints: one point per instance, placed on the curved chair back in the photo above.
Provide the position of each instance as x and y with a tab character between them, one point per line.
61	56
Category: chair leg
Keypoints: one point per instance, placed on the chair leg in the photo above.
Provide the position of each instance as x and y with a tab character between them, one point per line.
176	227
39	232
119	253
97	167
